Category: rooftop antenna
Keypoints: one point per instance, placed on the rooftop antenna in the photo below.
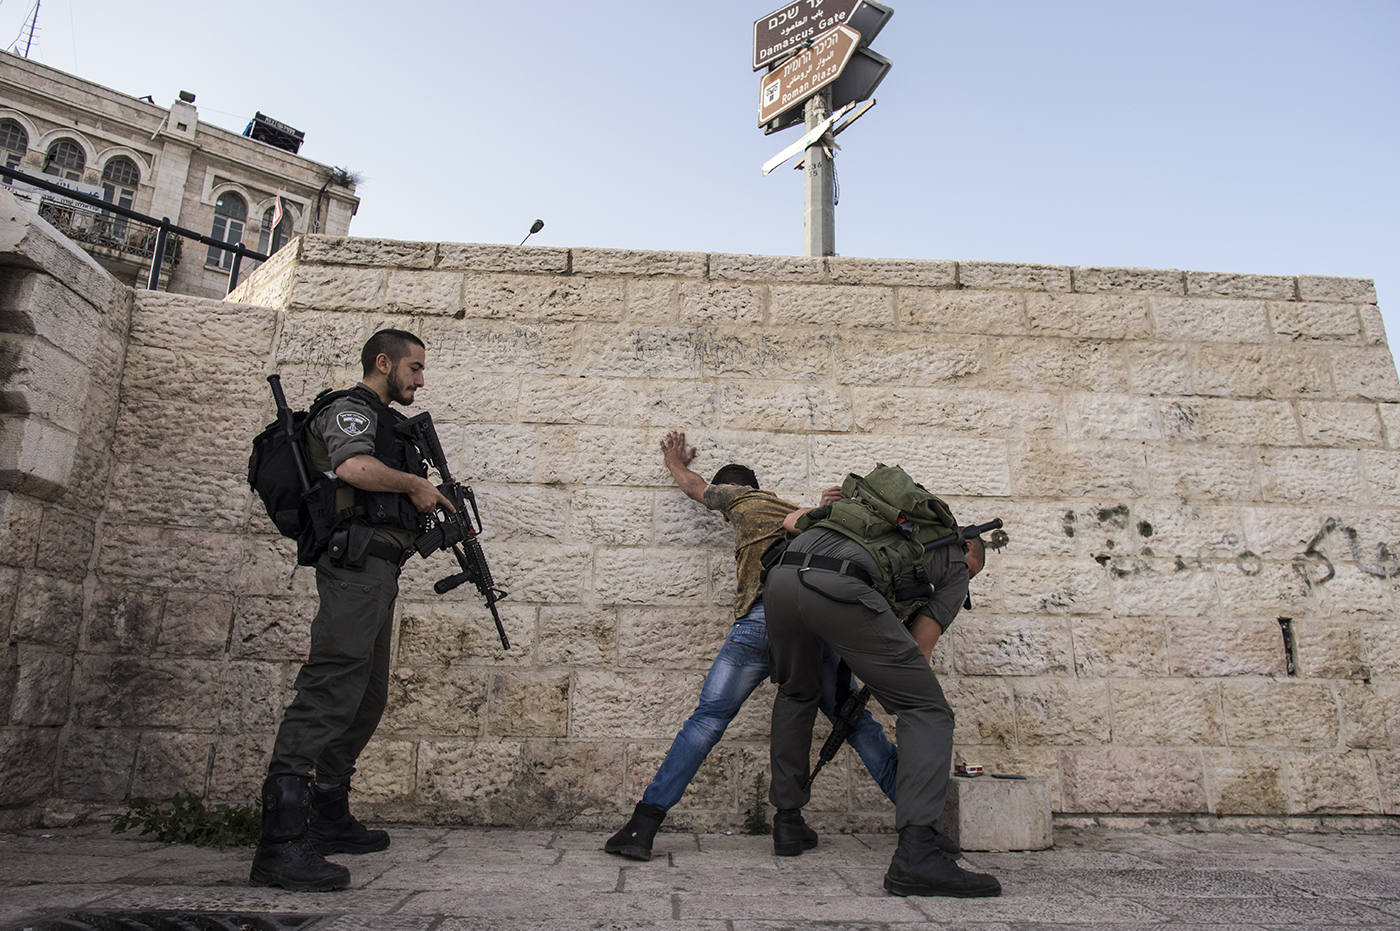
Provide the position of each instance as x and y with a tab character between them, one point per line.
32	24
534	228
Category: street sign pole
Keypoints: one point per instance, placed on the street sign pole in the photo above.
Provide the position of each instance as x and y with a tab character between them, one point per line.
819	225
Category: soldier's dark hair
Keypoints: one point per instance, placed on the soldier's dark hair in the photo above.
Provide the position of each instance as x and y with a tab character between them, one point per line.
735	474
392	343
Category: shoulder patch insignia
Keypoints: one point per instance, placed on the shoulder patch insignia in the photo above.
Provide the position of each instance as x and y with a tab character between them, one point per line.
351	423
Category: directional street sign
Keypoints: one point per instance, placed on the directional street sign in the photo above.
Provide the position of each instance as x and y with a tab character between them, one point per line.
806	73
857	82
786	29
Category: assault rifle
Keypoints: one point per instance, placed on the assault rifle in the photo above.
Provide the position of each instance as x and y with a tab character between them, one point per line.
454	531
848	715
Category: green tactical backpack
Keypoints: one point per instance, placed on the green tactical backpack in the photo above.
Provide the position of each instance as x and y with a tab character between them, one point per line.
892	516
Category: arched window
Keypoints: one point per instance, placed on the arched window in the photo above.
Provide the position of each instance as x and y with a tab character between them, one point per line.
14	142
230	213
65	159
270	244
119	180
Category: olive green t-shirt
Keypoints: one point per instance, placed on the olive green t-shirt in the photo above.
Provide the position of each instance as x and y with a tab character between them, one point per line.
757	517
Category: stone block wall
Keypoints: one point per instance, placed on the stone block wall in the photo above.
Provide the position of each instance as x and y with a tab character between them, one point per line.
1187	463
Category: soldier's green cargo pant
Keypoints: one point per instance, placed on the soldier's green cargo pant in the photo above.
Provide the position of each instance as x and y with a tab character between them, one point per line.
344	685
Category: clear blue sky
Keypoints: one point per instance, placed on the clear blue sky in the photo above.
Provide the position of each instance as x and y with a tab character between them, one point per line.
1222	136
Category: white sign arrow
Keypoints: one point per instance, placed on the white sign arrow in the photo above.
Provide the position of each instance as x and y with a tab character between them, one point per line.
801	145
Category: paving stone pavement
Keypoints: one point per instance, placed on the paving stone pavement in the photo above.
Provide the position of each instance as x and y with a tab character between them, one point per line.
466	879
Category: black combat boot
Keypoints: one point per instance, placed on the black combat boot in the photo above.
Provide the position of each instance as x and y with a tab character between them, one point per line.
920	867
634	840
791	835
334	830
284	856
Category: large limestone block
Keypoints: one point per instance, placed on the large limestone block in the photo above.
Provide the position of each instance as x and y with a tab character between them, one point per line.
169	432
638	262
177	693
1089	279
487	257
681	521
1120	647
272	628
529	704
1053	586
1328	288
162	556
1243	782
96	764
906	272
613	516
578	637
1166	713
42	687
979	468
423	292
602	401
386	771
1111	417
533	297
29	753
671	638
170	763
1282	372
710	302
35	304
831	307
1084	469
1270	713
1197	472
1195	320
1370	714
984	710
155	493
1211	646
127	619
1328	783
996	313
1365	374
1160	368
1160	587
645	575
65	541
520	512
214	329
1133	781
1226	422
459	780
561	782
785	408
1012	276
1058	365
1304	320
904	359
960	413
985	813
1062	712
434	633
154	373
1189	530
1015	646
253	698
632	705
437	700
456	395
1088	316
1338	423
724	266
41	380
1312	477
48	610
666	404
499	346
1230	284
353	251
319	287
657	301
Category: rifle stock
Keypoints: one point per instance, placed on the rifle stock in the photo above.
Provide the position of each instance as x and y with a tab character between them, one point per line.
454	530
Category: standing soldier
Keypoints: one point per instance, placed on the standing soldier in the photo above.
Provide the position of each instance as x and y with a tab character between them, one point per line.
380	489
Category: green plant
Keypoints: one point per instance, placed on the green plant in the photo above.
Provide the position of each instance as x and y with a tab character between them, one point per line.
341	176
756	818
188	821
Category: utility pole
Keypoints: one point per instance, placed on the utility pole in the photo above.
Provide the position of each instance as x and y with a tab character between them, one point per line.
819	217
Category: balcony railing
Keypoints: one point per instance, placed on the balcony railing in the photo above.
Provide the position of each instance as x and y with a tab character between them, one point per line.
81	223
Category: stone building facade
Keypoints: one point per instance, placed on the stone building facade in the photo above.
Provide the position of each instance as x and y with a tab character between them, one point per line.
1188	464
163	162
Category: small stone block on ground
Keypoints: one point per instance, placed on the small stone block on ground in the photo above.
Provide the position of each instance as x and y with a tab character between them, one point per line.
985	813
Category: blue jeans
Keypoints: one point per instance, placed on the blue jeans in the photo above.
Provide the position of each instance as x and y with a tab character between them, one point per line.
742	664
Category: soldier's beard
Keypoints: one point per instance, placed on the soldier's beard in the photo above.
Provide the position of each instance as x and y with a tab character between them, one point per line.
401	390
